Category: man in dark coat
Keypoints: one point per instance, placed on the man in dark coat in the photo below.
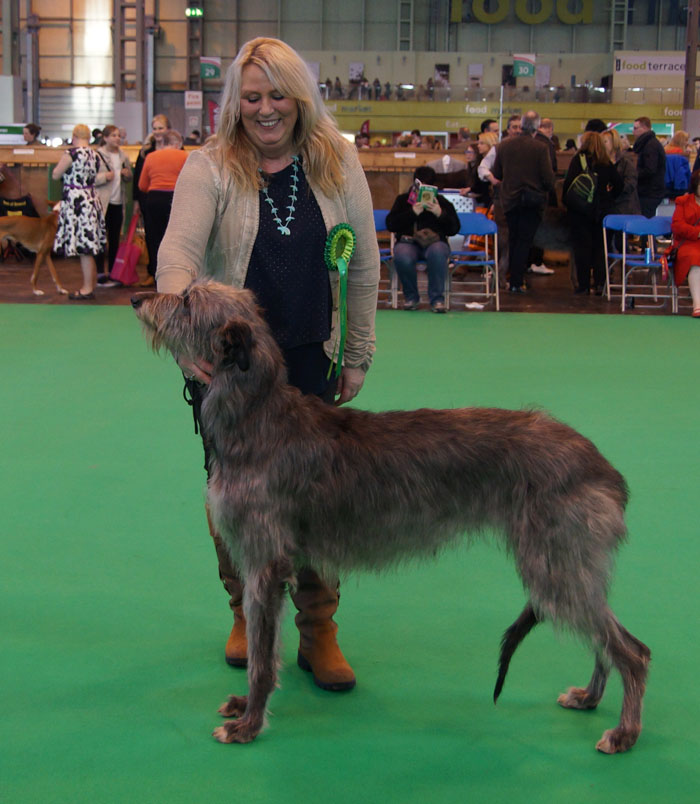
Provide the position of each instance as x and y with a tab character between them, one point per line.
651	166
525	169
544	134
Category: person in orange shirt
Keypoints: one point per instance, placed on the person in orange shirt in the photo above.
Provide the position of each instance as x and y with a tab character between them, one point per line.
157	184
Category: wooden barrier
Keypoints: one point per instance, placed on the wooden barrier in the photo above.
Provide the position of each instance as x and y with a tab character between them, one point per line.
389	170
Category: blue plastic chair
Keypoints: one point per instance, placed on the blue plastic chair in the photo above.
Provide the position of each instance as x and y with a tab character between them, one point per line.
474	223
386	258
641	272
614	259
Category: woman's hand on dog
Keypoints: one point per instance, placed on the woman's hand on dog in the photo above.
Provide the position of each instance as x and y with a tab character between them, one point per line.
350	382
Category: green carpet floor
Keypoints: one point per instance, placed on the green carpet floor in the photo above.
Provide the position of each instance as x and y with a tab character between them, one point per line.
114	621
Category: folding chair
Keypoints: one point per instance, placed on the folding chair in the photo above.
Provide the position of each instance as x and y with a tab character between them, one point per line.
641	272
386	259
474	223
614	259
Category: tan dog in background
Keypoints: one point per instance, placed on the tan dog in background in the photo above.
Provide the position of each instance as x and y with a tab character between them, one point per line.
37	235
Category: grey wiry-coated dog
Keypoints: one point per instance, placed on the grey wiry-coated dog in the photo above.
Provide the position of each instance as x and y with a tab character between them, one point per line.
296	482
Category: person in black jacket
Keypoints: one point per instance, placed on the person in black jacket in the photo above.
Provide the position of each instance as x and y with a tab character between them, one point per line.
651	166
154	142
422	229
586	237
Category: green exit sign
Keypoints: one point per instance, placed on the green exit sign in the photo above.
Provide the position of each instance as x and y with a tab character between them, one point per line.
194	12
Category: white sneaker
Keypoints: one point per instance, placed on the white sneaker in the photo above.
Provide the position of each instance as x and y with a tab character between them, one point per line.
540	269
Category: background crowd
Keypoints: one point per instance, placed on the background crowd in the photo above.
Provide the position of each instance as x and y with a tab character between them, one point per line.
511	175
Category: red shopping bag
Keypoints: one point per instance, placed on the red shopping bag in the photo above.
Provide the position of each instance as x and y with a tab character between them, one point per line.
124	269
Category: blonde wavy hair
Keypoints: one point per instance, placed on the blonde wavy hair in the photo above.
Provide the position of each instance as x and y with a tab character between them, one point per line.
612	135
489	137
679	139
316	135
81	132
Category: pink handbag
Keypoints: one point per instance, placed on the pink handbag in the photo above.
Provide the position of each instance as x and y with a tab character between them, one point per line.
124	269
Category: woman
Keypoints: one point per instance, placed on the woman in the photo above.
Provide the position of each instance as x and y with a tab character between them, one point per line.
486	146
464	179
627	202
115	171
677	175
678	143
30	133
154	142
253	208
586	227
685	226
480	189
81	224
157	185
422	229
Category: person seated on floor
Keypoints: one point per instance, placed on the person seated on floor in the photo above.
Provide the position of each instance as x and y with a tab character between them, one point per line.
422	223
685	226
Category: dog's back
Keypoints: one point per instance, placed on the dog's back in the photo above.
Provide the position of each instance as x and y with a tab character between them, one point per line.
416	480
35	234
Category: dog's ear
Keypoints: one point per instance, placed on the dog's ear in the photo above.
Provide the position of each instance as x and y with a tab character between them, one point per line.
233	343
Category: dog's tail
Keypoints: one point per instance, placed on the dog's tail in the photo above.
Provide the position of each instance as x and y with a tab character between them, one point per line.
512	637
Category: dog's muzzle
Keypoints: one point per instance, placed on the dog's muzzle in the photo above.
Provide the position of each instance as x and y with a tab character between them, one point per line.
139	298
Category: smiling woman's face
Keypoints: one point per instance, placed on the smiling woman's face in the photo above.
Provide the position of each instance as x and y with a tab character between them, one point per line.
267	116
158	128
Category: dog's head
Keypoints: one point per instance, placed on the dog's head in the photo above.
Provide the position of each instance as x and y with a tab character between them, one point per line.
207	320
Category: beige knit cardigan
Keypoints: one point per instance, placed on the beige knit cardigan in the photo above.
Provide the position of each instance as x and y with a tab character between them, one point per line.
213	226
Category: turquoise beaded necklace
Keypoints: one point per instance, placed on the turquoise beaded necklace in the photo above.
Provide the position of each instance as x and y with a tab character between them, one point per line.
284	227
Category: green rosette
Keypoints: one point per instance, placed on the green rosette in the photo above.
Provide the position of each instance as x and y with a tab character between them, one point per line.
340	245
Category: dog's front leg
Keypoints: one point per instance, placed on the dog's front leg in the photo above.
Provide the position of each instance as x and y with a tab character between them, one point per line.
264	594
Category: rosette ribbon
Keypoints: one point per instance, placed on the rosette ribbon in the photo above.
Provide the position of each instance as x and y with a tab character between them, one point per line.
340	245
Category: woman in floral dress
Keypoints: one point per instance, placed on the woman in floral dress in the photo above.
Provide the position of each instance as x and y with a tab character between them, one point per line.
81	223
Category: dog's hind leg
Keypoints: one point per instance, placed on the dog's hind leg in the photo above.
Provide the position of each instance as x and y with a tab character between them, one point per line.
264	595
564	557
513	636
54	274
631	657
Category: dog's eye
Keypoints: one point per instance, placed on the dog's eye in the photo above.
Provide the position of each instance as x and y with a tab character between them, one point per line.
186	301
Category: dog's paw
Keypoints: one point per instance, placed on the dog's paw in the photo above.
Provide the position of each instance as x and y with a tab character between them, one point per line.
577	698
37	292
236	731
615	741
234	707
62	291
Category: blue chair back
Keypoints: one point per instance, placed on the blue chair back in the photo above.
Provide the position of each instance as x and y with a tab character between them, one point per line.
380	219
617	222
474	223
656	227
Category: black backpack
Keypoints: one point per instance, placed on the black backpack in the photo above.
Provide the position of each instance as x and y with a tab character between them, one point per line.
580	197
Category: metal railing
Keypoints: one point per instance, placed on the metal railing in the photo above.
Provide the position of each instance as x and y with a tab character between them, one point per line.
582	93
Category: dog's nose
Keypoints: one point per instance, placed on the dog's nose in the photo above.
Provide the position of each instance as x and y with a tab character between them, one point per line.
138	298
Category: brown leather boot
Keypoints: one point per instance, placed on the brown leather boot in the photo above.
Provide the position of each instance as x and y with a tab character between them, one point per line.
236	653
319	653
